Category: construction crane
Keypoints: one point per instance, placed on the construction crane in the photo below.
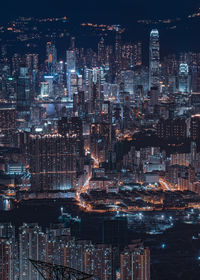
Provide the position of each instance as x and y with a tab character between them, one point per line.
50	271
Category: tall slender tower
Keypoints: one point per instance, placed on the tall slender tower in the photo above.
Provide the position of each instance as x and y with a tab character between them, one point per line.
101	51
154	59
51	57
118	48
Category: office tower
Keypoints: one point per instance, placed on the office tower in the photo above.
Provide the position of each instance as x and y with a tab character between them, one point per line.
118	49
3	53
72	43
194	155
195	127
135	262
95	79
23	91
73	84
101	52
154	94
8	252
32	245
7	259
141	78
172	128
195	79
16	62
154	59
31	61
52	162
106	112
100	140
44	90
51	89
131	55
184	79
103	261
109	57
71	60
71	71
127	78
51	53
138	54
7	118
73	128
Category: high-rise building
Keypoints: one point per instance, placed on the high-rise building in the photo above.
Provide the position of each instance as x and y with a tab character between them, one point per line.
8	252
71	60
44	90
71	70
7	259
32	62
73	128
184	79
131	55
7	118
101	52
95	79
135	262
16	62
154	59
52	162
23	91
118	49
51	57
100	140
32	245
154	94
195	127
127	77
172	128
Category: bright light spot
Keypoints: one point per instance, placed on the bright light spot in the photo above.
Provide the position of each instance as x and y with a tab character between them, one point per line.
163	246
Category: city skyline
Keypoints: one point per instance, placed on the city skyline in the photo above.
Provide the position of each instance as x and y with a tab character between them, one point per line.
100	140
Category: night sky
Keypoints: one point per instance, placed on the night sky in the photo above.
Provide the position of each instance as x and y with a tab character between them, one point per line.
99	10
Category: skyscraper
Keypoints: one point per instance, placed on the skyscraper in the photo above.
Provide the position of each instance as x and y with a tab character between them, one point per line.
183	79
71	68
23	91
101	51
32	244
51	57
154	59
118	48
135	262
52	162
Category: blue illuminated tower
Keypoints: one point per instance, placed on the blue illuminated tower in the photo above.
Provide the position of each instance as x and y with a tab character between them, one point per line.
154	59
183	79
71	69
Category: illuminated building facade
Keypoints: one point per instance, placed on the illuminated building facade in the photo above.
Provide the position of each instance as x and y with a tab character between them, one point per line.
195	127
154	59
184	79
135	262
71	71
52	162
100	140
23	91
172	128
51	58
